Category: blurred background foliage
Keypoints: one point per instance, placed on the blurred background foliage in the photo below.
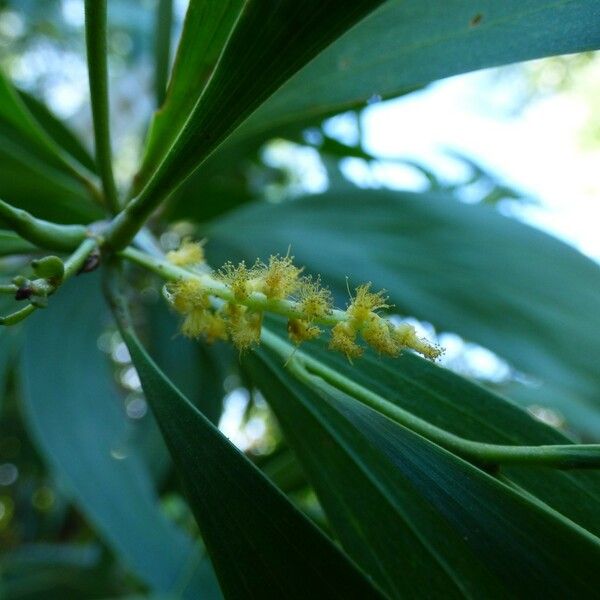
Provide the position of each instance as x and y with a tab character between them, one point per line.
42	51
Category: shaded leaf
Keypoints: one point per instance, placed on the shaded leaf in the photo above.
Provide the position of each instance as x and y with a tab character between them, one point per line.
416	517
77	420
37	171
58	131
260	545
406	44
518	291
468	410
234	80
11	243
198	369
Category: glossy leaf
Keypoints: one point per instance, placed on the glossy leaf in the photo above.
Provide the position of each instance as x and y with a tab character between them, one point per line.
11	243
406	44
76	417
416	517
260	545
467	269
58	131
467	409
54	572
198	370
38	173
232	81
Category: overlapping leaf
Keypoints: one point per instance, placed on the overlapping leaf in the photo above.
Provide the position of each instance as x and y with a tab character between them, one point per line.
518	291
74	413
260	545
266	44
466	409
406	44
11	243
41	169
415	517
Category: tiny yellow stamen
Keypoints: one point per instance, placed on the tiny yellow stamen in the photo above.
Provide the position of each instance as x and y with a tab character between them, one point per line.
189	253
343	339
244	326
406	336
365	303
379	334
279	279
237	277
300	331
187	295
314	300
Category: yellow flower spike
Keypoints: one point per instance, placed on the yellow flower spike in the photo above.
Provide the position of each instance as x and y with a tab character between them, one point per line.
189	253
280	278
215	328
300	331
366	302
314	300
237	277
194	323
244	326
406	336
343	339
187	295
379	334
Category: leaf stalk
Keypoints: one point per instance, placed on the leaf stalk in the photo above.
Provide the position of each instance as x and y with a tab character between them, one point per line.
42	233
489	456
95	36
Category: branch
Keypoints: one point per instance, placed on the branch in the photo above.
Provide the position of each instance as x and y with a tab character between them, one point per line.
95	35
488	456
72	266
42	233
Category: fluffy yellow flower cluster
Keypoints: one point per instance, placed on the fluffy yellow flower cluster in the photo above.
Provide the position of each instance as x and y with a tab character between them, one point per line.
246	293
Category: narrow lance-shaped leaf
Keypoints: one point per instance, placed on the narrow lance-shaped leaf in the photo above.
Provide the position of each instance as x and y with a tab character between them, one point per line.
260	545
266	43
406	44
43	167
464	408
418	519
73	412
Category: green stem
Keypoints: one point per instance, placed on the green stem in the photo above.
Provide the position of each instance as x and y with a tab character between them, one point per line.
8	288
162	48
95	35
131	219
315	374
256	301
42	233
76	260
18	315
72	266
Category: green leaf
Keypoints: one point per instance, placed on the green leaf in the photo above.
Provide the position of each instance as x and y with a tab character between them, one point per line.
38	172
525	295
77	419
416	517
406	44
468	410
260	545
58	131
10	341
232	74
198	370
11	243
56	571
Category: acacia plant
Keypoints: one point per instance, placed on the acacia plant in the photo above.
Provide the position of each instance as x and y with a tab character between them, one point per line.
387	475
